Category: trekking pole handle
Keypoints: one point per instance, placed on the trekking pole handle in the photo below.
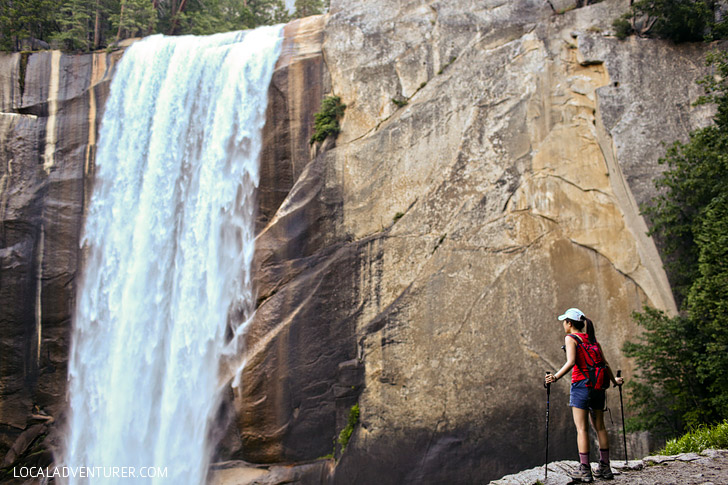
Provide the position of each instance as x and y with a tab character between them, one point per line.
619	374
544	382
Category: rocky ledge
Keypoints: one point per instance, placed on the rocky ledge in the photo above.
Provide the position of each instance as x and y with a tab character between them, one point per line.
707	468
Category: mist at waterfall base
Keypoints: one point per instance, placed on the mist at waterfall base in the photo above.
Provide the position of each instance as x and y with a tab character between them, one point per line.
168	243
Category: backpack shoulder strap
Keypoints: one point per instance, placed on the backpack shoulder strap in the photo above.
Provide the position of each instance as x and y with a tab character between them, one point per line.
577	339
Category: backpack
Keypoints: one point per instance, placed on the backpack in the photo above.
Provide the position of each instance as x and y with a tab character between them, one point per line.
595	372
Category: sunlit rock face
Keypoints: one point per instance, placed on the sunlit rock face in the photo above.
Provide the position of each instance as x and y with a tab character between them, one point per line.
416	265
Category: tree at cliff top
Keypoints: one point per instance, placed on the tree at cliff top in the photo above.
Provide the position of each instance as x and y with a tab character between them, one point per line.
21	19
135	18
305	8
677	20
227	15
83	25
682	360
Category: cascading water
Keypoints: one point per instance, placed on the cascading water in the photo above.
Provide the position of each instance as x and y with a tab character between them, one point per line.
169	241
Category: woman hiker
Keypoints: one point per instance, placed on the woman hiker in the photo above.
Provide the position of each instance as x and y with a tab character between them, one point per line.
590	377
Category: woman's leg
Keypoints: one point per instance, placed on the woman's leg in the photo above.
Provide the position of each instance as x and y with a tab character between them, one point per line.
581	420
597	419
604	470
584	472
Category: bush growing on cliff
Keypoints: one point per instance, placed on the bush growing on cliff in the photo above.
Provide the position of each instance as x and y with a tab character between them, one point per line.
677	20
345	434
326	121
682	360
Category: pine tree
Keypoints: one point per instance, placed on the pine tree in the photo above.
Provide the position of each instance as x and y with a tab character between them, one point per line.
135	18
76	25
305	8
20	19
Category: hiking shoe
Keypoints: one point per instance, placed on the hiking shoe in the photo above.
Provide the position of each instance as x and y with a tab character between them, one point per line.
604	471
582	474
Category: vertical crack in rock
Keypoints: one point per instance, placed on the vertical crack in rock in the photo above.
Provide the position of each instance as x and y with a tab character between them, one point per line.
39	294
53	88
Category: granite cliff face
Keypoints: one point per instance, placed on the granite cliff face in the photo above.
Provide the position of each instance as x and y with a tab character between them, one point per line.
49	115
417	264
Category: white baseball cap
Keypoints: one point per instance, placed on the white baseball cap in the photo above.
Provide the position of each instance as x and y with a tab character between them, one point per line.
572	314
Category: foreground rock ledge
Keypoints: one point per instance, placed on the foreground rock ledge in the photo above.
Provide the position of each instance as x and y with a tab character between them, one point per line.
708	467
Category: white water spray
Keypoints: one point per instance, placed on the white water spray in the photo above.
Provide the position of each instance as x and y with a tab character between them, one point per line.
169	240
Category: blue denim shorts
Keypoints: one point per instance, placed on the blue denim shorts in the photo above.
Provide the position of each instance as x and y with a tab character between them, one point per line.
583	397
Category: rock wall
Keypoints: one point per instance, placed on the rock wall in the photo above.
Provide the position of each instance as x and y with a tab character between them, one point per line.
425	257
416	264
49	115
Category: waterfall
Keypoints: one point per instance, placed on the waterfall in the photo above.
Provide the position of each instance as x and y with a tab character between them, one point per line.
168	244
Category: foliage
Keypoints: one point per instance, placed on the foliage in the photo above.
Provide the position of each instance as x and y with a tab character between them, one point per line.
667	392
20	19
622	26
682	360
345	434
326	121
83	25
699	439
229	15
677	20
305	8
75	23
135	18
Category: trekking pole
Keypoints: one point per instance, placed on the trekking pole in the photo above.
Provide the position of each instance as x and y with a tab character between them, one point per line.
548	400
624	430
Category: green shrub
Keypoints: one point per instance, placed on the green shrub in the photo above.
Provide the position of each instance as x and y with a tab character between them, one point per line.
345	434
677	20
326	121
622	27
401	102
699	439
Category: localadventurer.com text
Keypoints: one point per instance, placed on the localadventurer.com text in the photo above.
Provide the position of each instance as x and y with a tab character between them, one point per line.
90	472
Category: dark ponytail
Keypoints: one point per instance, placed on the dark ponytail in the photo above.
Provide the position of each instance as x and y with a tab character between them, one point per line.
590	330
589	327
